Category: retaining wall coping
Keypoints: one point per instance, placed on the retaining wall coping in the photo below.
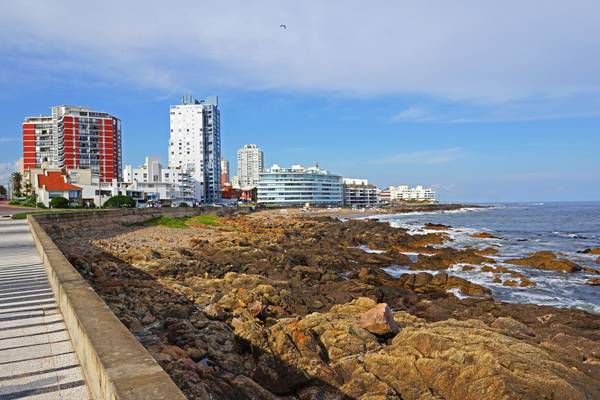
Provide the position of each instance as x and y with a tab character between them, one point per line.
116	366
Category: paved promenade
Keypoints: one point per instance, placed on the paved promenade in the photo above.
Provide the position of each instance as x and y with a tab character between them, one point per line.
37	360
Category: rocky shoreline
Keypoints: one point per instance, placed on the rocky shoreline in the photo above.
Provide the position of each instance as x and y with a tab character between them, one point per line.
285	305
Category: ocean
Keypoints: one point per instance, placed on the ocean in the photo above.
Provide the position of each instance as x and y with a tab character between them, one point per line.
523	228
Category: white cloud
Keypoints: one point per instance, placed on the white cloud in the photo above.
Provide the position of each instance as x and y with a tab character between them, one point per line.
414	114
462	50
442	156
8	139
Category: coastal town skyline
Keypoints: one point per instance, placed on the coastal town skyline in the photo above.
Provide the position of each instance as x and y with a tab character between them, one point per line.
300	200
517	135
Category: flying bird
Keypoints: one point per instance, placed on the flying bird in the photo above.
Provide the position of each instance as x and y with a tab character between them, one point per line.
282	26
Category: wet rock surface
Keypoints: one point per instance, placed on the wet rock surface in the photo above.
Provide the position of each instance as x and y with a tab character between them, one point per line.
265	306
484	235
546	260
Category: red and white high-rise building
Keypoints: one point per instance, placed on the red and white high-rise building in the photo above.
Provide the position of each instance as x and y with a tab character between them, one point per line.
74	138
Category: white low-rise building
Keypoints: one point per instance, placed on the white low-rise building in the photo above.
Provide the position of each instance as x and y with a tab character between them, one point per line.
299	186
80	186
161	184
406	193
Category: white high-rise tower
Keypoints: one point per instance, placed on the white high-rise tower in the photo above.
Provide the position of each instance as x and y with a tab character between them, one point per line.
250	163
195	145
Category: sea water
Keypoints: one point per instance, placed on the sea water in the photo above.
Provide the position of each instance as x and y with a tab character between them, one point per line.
565	228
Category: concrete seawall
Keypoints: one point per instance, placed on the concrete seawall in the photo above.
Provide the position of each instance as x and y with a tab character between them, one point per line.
115	364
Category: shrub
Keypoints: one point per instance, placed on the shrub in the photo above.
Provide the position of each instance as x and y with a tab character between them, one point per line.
40	205
119	201
30	201
59	202
183	204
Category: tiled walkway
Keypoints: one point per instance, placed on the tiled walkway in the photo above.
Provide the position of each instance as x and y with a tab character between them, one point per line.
37	360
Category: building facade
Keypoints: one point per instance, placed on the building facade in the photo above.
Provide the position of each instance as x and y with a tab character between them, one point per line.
250	163
74	138
358	193
195	145
169	184
298	186
406	193
224	172
78	186
48	184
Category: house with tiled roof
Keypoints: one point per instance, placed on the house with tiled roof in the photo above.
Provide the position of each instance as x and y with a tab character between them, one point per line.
50	183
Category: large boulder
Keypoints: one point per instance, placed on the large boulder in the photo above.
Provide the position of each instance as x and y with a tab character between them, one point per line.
469	360
546	260
379	320
460	360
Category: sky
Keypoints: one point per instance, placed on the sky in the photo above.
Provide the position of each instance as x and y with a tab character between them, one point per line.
481	100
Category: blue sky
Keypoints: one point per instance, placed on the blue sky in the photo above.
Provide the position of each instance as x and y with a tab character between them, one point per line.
484	102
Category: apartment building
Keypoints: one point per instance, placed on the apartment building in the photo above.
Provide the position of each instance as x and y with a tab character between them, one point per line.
297	186
195	145
359	193
224	171
74	137
250	163
406	193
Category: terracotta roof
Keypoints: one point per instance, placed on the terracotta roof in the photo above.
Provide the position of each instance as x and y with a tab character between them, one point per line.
55	180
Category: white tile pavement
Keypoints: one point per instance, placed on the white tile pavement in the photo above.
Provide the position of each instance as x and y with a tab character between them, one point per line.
37	360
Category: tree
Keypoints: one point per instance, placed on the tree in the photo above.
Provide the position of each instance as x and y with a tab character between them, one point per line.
16	179
119	201
2	191
59	202
27	189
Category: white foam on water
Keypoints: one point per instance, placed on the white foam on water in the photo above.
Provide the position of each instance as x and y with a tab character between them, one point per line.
552	288
366	249
458	293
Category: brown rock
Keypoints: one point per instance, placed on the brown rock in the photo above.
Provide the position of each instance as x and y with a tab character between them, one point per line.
459	360
509	282
379	320
214	311
256	309
484	235
512	327
446	257
546	260
422	279
594	282
436	227
526	282
488	251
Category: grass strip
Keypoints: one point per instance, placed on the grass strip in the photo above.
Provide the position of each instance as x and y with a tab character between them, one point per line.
184	222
